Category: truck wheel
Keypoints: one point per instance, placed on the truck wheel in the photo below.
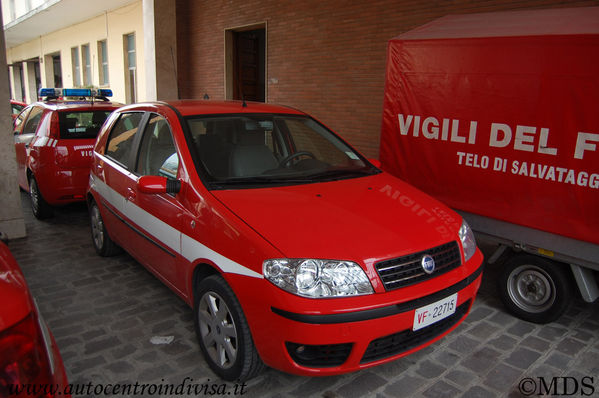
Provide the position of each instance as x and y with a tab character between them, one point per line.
223	332
104	246
41	209
535	289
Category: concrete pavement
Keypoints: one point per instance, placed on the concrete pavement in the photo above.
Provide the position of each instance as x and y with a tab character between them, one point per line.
109	316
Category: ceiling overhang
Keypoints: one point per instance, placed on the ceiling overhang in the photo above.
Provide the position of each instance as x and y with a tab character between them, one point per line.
54	15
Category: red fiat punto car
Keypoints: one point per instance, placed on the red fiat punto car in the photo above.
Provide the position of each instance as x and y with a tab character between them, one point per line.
30	364
53	143
293	249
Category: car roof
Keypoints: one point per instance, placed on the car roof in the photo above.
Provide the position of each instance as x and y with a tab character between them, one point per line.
60	105
209	107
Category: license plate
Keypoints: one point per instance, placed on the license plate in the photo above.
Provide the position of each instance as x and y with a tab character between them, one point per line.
434	312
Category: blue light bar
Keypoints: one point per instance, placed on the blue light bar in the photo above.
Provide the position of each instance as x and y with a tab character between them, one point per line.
76	92
49	92
104	92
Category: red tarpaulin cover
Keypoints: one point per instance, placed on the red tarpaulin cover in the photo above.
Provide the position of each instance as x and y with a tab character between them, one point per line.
498	114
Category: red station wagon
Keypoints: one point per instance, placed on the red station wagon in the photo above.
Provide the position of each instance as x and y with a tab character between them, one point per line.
293	249
54	139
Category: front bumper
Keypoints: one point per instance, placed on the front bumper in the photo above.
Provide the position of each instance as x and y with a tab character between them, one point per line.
334	342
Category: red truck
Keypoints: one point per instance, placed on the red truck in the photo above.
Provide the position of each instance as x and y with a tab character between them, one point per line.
497	115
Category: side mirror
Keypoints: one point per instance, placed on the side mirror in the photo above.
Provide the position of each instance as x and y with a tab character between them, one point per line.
375	162
157	184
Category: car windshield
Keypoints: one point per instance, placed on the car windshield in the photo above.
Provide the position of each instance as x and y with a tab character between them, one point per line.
81	124
257	150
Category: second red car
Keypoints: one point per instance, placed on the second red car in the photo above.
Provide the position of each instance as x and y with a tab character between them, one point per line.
53	143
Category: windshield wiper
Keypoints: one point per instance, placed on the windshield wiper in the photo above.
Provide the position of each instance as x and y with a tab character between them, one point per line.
335	174
257	180
327	175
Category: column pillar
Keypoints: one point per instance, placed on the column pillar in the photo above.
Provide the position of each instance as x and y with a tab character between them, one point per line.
160	48
11	214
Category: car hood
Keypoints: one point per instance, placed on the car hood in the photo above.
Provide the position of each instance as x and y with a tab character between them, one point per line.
359	219
14	294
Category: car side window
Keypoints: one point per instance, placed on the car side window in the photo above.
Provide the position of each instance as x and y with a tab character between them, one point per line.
19	121
120	141
33	120
157	154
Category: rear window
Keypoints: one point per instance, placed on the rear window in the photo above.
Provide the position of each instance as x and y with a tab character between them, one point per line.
81	124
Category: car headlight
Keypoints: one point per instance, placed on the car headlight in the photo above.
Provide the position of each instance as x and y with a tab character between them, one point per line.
317	278
468	241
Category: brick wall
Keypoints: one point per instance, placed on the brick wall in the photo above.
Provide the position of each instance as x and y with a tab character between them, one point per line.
324	57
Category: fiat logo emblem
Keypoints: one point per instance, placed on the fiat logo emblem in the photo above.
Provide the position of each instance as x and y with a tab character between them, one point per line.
428	264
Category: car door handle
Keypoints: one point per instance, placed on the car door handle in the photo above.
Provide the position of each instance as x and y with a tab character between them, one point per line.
130	194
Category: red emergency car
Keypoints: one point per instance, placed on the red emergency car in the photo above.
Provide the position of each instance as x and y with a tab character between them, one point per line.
293	249
53	143
30	363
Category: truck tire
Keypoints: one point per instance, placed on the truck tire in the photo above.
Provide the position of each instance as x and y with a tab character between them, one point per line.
535	289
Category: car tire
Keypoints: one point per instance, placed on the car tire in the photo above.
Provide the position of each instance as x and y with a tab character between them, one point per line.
41	209
535	289
104	246
223	332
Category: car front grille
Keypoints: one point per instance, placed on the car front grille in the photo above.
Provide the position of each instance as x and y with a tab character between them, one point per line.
407	270
405	340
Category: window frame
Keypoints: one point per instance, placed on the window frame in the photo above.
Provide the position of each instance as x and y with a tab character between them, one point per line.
131	156
33	113
104	74
20	120
76	66
143	134
130	40
86	65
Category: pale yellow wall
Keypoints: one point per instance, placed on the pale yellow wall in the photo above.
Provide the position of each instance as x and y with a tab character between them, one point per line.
111	26
20	8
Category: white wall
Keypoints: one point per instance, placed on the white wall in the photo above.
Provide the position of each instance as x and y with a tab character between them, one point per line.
110	27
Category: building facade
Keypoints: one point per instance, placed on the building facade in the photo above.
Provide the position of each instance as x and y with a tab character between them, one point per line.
74	43
324	57
121	44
